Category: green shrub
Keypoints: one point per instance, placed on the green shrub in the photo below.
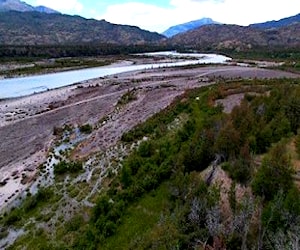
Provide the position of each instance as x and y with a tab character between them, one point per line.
127	98
86	129
13	217
297	143
67	167
275	174
74	224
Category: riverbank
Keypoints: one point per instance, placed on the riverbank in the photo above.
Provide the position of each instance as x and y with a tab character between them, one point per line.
17	69
10	88
28	123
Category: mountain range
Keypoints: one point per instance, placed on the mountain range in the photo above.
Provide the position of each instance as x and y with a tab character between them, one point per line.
35	28
22	24
181	28
16	5
283	33
277	24
238	38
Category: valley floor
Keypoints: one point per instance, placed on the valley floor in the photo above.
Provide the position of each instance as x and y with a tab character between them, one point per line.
27	123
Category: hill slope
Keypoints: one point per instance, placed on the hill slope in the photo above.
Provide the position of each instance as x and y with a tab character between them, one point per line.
277	24
238	37
177	29
34	28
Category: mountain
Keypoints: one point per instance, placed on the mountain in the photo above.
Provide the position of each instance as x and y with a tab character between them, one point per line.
8	5
240	38
35	28
174	30
44	9
277	24
17	5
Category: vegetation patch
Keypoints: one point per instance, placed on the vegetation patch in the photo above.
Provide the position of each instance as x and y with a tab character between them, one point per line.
159	199
128	97
64	167
86	129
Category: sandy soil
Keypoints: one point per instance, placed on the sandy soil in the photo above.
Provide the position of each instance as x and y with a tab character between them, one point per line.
26	124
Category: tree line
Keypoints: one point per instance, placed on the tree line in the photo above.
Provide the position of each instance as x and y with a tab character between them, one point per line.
26	52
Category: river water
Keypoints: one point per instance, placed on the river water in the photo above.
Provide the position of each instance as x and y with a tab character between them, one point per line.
22	86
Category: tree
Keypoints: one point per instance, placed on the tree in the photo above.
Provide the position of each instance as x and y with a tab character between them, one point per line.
275	174
228	141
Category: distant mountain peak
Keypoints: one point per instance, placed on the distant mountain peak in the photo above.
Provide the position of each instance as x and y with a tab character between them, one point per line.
17	5
177	29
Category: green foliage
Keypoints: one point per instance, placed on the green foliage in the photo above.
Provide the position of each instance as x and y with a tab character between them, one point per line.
240	169
3	234
157	124
141	224
13	217
128	97
282	213
74	224
292	202
31	203
67	167
86	129
287	54
248	129
58	131
232	197
297	143
198	153
22	53
275	174
42	196
292	110
160	187
106	215
228	141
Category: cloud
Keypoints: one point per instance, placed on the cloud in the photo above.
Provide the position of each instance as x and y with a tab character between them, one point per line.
247	12
65	6
146	16
157	18
201	1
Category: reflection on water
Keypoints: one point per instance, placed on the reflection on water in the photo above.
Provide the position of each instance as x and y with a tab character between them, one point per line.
33	84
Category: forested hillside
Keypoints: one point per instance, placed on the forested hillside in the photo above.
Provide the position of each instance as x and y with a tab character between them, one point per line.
239	38
35	28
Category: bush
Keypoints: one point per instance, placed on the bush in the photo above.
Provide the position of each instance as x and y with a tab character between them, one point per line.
275	174
43	195
14	216
297	143
57	131
67	167
86	129
74	224
127	98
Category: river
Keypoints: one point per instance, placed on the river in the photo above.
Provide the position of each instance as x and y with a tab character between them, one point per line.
22	86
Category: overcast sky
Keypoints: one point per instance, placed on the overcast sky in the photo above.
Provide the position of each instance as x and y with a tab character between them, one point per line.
158	15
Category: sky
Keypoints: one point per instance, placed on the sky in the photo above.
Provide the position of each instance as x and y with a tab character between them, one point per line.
159	15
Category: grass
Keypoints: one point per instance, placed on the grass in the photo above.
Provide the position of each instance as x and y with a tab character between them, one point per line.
127	98
140	220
